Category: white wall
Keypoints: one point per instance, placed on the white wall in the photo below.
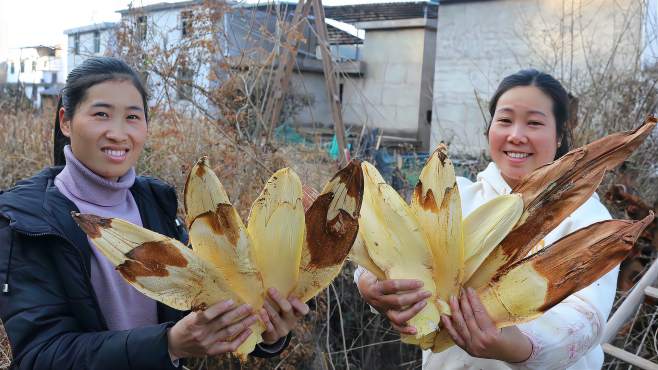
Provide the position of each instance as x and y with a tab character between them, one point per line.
389	95
48	70
478	43
86	48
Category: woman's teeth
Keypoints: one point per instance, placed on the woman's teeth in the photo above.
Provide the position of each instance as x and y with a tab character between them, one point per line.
517	155
116	153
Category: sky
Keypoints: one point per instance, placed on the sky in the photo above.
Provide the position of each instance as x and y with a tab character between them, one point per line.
42	22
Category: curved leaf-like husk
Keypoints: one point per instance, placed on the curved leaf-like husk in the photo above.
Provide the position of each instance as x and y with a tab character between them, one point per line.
331	228
486	227
218	235
396	244
437	207
162	268
535	284
277	229
359	255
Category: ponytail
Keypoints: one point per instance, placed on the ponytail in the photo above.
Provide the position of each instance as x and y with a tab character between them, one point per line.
59	140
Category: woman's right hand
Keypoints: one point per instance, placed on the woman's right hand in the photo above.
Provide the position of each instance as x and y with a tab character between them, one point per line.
399	300
221	328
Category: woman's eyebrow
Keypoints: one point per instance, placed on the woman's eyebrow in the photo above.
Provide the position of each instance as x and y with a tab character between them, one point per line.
102	105
505	110
110	106
537	112
135	107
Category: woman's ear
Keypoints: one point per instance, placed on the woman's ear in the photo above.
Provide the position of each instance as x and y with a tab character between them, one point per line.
64	124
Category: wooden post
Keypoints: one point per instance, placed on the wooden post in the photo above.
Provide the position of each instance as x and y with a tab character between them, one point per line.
330	79
287	57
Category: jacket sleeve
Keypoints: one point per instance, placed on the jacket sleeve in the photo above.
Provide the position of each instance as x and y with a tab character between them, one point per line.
42	330
571	329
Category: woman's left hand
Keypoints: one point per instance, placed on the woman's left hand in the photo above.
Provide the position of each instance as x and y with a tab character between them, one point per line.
472	329
280	315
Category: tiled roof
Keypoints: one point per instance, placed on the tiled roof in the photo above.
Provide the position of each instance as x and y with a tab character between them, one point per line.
161	6
340	37
381	11
336	35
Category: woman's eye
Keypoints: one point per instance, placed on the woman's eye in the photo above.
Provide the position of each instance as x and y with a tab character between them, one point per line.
535	123
101	114
504	120
133	116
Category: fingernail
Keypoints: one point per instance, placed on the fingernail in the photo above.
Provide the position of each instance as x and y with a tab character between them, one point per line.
229	302
471	290
453	299
427	294
412	331
422	303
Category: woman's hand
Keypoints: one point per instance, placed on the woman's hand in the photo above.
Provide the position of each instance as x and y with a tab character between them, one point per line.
280	315
399	300
220	328
472	329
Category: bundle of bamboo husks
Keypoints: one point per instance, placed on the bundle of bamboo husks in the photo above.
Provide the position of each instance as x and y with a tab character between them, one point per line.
488	250
298	253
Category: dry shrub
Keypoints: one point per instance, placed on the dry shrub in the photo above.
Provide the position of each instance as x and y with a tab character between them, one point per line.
5	349
25	145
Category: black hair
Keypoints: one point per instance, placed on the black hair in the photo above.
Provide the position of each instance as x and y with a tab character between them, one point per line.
549	86
92	71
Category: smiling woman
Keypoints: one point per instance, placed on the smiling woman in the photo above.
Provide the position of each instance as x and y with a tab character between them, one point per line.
63	304
528	129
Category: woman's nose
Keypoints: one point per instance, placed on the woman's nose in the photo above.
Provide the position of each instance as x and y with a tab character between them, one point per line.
517	134
117	132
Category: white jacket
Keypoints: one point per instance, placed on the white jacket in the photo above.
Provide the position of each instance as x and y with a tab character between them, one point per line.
568	335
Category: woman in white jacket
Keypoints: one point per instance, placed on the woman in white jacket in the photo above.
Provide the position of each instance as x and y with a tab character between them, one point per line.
528	129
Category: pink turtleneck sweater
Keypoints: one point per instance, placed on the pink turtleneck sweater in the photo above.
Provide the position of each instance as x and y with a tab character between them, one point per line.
121	304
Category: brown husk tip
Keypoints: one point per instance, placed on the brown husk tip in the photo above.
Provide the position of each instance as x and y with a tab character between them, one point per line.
582	257
329	240
91	224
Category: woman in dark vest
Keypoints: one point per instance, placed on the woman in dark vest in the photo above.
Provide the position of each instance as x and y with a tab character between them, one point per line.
63	304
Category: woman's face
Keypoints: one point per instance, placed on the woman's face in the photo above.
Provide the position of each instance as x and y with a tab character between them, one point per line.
108	128
523	135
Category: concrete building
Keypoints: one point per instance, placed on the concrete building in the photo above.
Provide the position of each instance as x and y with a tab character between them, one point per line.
384	54
480	42
394	92
38	69
87	41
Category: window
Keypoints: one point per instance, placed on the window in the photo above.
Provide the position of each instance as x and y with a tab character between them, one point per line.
34	66
184	81
22	66
341	88
97	42
186	23
142	27
12	68
76	44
